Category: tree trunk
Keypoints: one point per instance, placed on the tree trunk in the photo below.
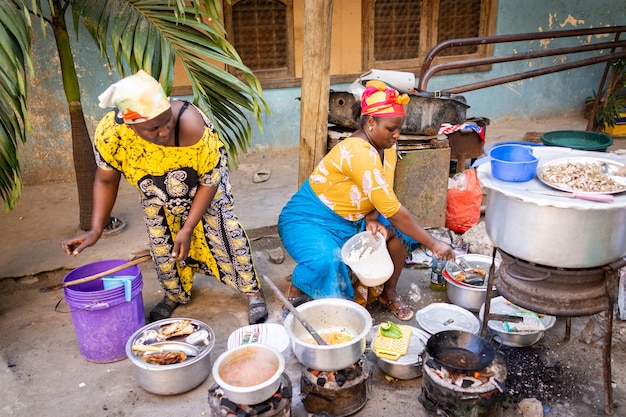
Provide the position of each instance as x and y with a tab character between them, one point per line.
315	85
84	161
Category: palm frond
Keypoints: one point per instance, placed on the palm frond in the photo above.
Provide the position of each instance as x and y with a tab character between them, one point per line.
15	61
153	34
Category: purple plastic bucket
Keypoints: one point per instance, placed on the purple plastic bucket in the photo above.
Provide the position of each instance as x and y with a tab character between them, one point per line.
103	319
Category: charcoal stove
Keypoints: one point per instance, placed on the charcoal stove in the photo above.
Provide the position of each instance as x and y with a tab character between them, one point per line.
564	292
340	393
279	405
455	394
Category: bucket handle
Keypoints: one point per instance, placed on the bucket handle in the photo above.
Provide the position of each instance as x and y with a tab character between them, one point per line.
93	307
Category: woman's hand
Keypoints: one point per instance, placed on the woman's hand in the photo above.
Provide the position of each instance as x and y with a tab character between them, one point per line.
375	226
182	243
442	251
77	244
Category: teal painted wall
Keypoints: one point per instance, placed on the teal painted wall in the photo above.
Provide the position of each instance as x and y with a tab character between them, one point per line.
47	156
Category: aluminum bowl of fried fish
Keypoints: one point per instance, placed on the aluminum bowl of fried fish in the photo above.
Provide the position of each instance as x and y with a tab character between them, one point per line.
171	356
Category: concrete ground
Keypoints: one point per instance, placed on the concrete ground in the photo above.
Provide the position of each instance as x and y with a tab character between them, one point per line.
46	375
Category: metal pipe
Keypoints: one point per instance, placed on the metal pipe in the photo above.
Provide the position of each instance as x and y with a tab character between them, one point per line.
426	72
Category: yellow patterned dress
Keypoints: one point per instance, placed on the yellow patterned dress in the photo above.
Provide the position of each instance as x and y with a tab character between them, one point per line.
167	179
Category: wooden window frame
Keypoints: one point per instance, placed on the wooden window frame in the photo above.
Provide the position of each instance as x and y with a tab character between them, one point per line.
278	77
428	38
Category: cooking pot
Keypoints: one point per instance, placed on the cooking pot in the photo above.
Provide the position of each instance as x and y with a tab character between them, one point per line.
329	317
567	237
424	115
461	293
553	231
234	370
460	351
409	365
178	377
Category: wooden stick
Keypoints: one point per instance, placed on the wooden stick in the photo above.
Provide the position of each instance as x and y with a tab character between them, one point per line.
96	276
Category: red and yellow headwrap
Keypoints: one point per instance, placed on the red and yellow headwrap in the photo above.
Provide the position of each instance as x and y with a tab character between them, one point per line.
138	97
379	100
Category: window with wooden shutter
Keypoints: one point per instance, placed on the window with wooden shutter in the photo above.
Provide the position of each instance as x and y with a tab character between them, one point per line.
397	34
262	34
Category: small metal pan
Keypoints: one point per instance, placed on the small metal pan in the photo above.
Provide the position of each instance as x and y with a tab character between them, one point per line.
460	351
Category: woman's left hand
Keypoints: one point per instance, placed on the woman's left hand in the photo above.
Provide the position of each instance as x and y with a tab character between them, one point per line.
180	250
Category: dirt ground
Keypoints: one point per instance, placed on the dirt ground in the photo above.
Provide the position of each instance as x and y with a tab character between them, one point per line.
45	374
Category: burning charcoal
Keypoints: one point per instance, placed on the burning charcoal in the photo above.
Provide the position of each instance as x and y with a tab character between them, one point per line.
466	383
340	379
229	405
286	392
321	381
262	408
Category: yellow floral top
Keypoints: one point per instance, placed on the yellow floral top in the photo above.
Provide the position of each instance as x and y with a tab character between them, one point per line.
352	180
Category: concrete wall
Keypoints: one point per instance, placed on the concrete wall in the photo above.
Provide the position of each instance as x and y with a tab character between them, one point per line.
47	156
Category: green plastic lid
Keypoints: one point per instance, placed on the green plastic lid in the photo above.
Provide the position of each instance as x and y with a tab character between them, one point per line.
578	139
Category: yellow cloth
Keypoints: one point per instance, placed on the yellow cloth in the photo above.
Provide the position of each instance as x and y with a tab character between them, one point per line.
352	180
138	97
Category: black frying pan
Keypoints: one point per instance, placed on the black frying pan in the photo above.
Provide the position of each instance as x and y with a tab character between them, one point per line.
460	351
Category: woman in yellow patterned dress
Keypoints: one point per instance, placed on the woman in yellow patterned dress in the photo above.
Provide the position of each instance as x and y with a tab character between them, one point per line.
349	191
167	149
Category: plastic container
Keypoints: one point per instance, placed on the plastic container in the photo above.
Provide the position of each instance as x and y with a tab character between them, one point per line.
514	163
368	258
103	319
578	139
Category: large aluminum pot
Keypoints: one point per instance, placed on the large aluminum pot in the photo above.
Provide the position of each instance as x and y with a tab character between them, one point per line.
567	237
329	316
249	374
175	378
465	295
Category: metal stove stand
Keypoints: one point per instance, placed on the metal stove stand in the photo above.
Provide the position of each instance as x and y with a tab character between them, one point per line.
610	298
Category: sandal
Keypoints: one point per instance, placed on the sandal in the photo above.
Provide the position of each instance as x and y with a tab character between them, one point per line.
396	307
257	310
163	310
295	301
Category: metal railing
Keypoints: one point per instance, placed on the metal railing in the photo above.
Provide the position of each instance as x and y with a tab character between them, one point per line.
615	51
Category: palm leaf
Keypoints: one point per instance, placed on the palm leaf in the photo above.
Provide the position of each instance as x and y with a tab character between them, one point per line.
153	34
14	122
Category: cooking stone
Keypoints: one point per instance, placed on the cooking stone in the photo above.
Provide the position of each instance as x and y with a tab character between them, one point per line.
437	317
271	334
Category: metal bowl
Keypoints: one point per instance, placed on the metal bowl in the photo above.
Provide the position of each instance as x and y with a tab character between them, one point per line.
468	296
514	339
327	316
234	369
179	377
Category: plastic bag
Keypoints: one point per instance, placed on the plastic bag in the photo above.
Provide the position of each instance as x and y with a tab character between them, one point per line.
464	200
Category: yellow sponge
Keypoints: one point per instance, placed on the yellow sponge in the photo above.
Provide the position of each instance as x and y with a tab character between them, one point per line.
392	349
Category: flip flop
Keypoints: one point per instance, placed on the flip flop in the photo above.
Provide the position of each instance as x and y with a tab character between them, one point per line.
396	306
163	310
257	310
262	175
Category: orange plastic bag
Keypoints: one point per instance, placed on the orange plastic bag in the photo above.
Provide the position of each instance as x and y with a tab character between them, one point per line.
464	200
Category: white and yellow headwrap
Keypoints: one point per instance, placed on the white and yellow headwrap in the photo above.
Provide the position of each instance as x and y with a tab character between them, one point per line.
138	97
